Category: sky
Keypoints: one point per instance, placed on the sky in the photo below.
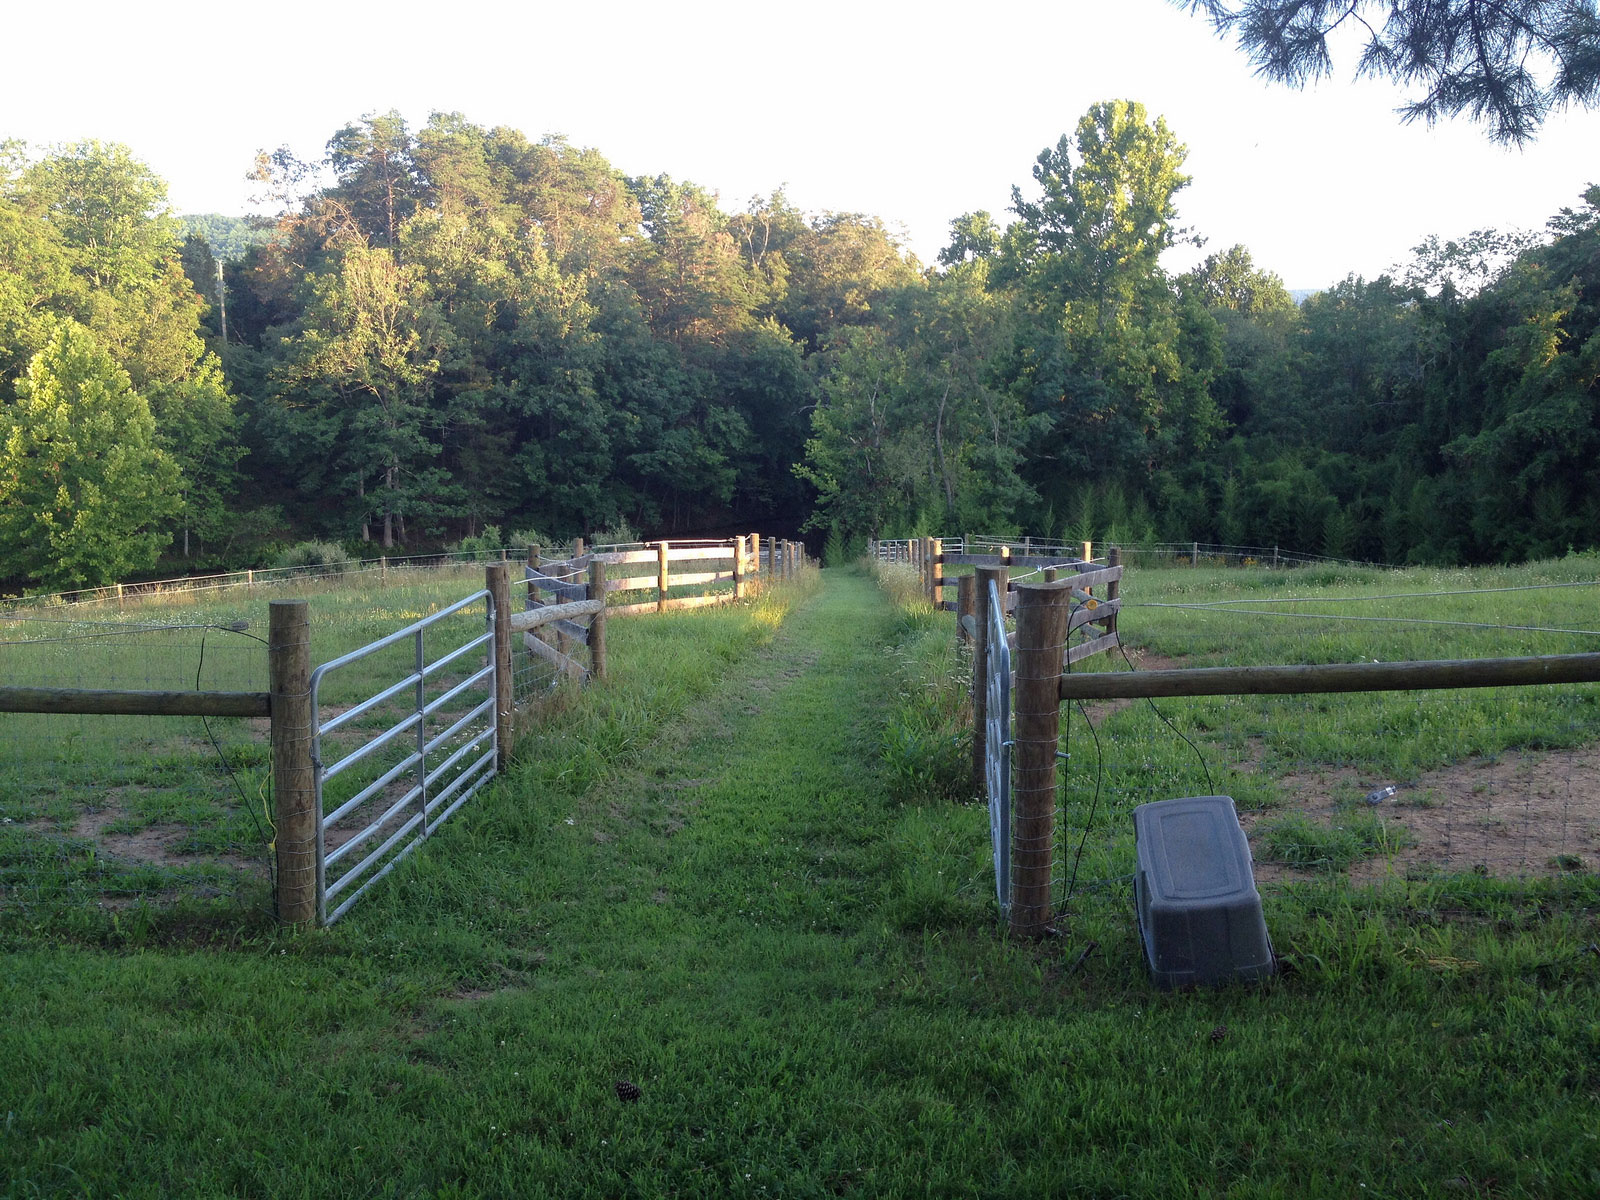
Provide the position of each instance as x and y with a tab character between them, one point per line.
913	113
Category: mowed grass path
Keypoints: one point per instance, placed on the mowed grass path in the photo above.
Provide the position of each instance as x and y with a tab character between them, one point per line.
720	919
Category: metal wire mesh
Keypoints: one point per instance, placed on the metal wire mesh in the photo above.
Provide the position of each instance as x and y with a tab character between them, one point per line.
536	671
111	810
1501	782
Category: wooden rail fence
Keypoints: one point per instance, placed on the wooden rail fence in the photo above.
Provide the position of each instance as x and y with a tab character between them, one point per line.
1044	611
745	562
1093	618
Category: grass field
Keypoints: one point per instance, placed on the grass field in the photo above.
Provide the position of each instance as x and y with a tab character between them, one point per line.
725	879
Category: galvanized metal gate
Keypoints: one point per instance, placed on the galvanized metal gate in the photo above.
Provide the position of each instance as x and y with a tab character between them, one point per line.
414	751
997	745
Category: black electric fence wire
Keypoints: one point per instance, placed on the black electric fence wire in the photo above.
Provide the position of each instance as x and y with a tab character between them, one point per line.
1211	788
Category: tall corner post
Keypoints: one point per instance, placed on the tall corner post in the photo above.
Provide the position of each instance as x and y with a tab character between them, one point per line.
980	671
1042	614
598	667
497	581
294	781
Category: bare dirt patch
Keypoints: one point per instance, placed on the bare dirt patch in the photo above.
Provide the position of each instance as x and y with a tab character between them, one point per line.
1519	814
154	844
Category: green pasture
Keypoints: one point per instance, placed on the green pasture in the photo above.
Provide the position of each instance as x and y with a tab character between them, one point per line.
117	809
747	877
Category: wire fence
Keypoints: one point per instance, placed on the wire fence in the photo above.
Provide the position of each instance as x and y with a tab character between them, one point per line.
1501	782
401	568
1193	554
1364	786
112	810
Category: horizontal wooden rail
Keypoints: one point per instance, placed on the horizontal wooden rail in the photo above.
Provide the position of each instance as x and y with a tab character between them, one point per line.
699	553
678	602
143	704
1103	610
1336	677
1096	645
535	617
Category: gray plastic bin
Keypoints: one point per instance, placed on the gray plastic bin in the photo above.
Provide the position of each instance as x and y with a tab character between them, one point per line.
1199	911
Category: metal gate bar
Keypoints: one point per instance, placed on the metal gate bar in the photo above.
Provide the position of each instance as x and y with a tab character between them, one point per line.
431	808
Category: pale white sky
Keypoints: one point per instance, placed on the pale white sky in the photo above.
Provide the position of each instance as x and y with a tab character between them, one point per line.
916	113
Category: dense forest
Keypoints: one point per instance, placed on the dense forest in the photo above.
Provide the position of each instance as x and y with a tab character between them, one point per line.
454	329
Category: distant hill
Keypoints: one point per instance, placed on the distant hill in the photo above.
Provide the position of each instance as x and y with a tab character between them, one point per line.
228	237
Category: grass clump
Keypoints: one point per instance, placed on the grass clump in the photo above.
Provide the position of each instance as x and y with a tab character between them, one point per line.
1298	841
927	739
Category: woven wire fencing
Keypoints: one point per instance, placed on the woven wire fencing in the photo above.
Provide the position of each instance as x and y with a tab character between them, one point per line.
378	571
112	810
1184	554
544	659
1363	786
1501	782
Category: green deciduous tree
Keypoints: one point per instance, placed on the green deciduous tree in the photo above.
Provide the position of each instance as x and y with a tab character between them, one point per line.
84	488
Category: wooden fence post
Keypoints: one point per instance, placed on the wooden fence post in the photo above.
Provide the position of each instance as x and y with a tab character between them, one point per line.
738	567
383	571
294	782
1088	552
965	591
936	572
597	627
1042	614
1194	554
755	555
497	579
663	578
1113	589
980	668
577	547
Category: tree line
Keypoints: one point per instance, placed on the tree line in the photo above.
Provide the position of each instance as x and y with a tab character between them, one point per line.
453	328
